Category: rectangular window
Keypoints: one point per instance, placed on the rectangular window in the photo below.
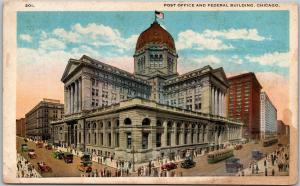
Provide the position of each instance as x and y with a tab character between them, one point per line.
145	140
158	139
129	140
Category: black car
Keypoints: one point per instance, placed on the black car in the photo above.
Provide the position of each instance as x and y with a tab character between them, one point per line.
188	163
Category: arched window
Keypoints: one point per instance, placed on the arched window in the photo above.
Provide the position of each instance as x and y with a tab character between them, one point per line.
158	123
127	121
146	121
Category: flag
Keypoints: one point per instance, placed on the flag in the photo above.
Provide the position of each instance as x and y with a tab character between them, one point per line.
159	15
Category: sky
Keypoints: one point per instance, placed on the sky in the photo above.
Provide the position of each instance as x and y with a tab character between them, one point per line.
238	41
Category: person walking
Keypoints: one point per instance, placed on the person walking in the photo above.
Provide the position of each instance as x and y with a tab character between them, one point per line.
266	171
273	172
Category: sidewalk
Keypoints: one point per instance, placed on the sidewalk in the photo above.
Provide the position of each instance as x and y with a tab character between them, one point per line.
261	172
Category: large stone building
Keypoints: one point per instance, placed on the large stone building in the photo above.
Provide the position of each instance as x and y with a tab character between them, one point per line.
244	102
268	118
154	112
38	118
20	127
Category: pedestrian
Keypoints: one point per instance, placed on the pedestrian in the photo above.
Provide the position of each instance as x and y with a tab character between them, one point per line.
257	169
273	172
266	171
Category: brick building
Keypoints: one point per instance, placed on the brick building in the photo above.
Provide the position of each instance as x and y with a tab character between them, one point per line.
21	127
38	118
244	102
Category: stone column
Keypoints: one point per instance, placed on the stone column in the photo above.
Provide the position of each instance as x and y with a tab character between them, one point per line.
213	100
86	93
181	142
164	135
72	102
69	99
66	100
104	133
174	134
80	92
216	102
112	133
152	135
196	137
189	134
75	96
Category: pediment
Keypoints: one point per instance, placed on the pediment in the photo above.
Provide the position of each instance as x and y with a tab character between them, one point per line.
220	74
71	66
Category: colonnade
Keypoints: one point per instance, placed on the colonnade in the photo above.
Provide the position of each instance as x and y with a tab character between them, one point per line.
218	106
73	97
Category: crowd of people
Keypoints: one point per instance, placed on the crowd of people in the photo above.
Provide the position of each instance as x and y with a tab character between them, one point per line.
271	165
25	168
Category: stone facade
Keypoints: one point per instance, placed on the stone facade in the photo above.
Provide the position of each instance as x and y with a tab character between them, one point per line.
38	119
148	128
154	112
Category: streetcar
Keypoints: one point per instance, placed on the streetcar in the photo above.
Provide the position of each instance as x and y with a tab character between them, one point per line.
219	155
269	142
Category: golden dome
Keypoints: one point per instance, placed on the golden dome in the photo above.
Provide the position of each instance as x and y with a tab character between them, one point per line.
155	34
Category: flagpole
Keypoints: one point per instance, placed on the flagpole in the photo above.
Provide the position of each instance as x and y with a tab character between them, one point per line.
155	17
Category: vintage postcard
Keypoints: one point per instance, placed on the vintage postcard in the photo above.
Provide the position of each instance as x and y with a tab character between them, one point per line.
116	92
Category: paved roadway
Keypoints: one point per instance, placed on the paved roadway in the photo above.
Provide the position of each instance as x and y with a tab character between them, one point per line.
202	168
59	167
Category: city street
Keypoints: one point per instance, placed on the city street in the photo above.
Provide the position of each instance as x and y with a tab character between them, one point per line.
59	167
202	168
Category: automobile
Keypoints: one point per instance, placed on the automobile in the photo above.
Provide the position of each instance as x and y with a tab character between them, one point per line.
43	167
86	157
169	166
31	153
257	155
85	168
24	147
188	163
58	154
68	157
238	147
48	146
39	144
233	165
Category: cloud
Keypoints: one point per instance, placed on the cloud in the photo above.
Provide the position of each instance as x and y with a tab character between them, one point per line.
96	35
214	39
275	58
235	34
52	44
66	36
190	39
26	37
236	59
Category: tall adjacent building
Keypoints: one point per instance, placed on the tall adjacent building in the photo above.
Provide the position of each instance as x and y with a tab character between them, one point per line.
154	112
20	127
38	118
268	119
244	102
